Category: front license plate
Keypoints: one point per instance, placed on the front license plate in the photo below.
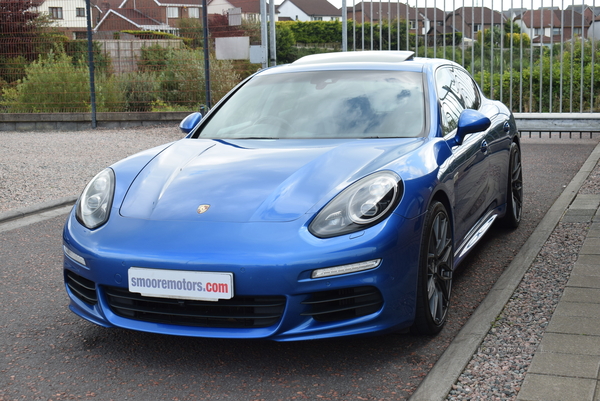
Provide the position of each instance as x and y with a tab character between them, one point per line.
180	284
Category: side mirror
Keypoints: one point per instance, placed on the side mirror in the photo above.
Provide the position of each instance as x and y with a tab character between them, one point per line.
469	122
189	123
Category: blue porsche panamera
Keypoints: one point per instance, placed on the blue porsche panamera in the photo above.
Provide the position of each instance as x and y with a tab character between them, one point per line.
334	196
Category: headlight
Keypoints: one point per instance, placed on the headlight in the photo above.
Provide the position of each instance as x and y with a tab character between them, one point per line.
361	205
95	202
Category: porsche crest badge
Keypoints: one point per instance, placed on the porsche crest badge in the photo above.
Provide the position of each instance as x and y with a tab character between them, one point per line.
202	208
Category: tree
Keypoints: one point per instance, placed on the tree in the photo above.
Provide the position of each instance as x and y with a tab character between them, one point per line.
191	28
19	25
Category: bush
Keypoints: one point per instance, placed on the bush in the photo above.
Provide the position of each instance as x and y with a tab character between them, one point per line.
154	58
140	90
313	31
12	69
191	29
182	81
50	85
110	94
78	51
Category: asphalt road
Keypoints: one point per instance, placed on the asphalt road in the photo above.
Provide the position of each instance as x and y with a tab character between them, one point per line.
46	352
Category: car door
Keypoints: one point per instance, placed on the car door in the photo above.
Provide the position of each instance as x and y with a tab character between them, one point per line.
469	164
497	140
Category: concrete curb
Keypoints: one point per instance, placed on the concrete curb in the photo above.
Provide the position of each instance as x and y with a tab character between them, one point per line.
438	383
37	208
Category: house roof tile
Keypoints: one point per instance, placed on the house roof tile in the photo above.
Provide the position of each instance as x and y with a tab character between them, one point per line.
552	18
473	15
316	7
388	10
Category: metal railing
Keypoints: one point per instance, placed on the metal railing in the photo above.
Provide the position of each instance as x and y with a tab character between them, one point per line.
535	61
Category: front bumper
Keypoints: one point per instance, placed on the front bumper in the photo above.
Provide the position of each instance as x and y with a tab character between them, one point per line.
274	294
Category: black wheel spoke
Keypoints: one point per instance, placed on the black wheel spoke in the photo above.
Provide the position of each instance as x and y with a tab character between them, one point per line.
439	273
435	271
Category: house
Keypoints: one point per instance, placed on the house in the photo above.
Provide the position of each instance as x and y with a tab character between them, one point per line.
433	19
146	15
69	16
444	35
250	9
513	13
546	26
587	13
376	12
594	29
435	16
470	20
309	10
127	19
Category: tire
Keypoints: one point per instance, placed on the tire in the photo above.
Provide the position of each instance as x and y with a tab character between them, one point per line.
514	192
436	265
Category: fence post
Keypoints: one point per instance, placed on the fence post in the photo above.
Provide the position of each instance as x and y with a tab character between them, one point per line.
273	40
206	53
263	33
344	26
91	62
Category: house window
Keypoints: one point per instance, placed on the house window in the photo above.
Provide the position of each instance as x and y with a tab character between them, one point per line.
556	31
193	12
317	18
577	31
477	28
172	12
412	24
538	31
80	11
55	12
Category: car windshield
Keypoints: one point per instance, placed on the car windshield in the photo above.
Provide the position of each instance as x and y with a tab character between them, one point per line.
323	104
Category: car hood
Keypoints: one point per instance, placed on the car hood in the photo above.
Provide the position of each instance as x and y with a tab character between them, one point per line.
253	180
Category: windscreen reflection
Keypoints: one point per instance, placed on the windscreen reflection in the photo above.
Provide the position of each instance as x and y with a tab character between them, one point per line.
323	104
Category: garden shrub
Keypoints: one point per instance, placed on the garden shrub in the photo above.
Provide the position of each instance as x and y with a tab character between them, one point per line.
110	93
50	85
182	82
140	90
12	68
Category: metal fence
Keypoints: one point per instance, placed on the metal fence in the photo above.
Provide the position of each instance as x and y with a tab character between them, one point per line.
149	56
533	58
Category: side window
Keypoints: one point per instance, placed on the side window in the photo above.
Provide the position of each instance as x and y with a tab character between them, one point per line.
468	89
451	101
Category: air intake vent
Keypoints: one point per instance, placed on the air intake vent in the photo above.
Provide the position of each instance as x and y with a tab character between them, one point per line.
343	304
238	312
82	288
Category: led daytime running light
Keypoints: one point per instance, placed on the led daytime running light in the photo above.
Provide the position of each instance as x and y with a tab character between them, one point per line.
72	255
345	269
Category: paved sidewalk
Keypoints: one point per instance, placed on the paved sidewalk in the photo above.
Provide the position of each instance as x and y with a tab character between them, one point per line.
566	365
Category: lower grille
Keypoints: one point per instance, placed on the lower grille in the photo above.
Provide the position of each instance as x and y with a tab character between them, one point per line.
347	303
82	288
238	312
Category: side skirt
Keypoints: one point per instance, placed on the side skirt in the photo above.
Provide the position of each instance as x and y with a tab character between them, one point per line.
476	233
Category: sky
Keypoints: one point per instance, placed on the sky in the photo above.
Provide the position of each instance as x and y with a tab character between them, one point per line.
499	5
